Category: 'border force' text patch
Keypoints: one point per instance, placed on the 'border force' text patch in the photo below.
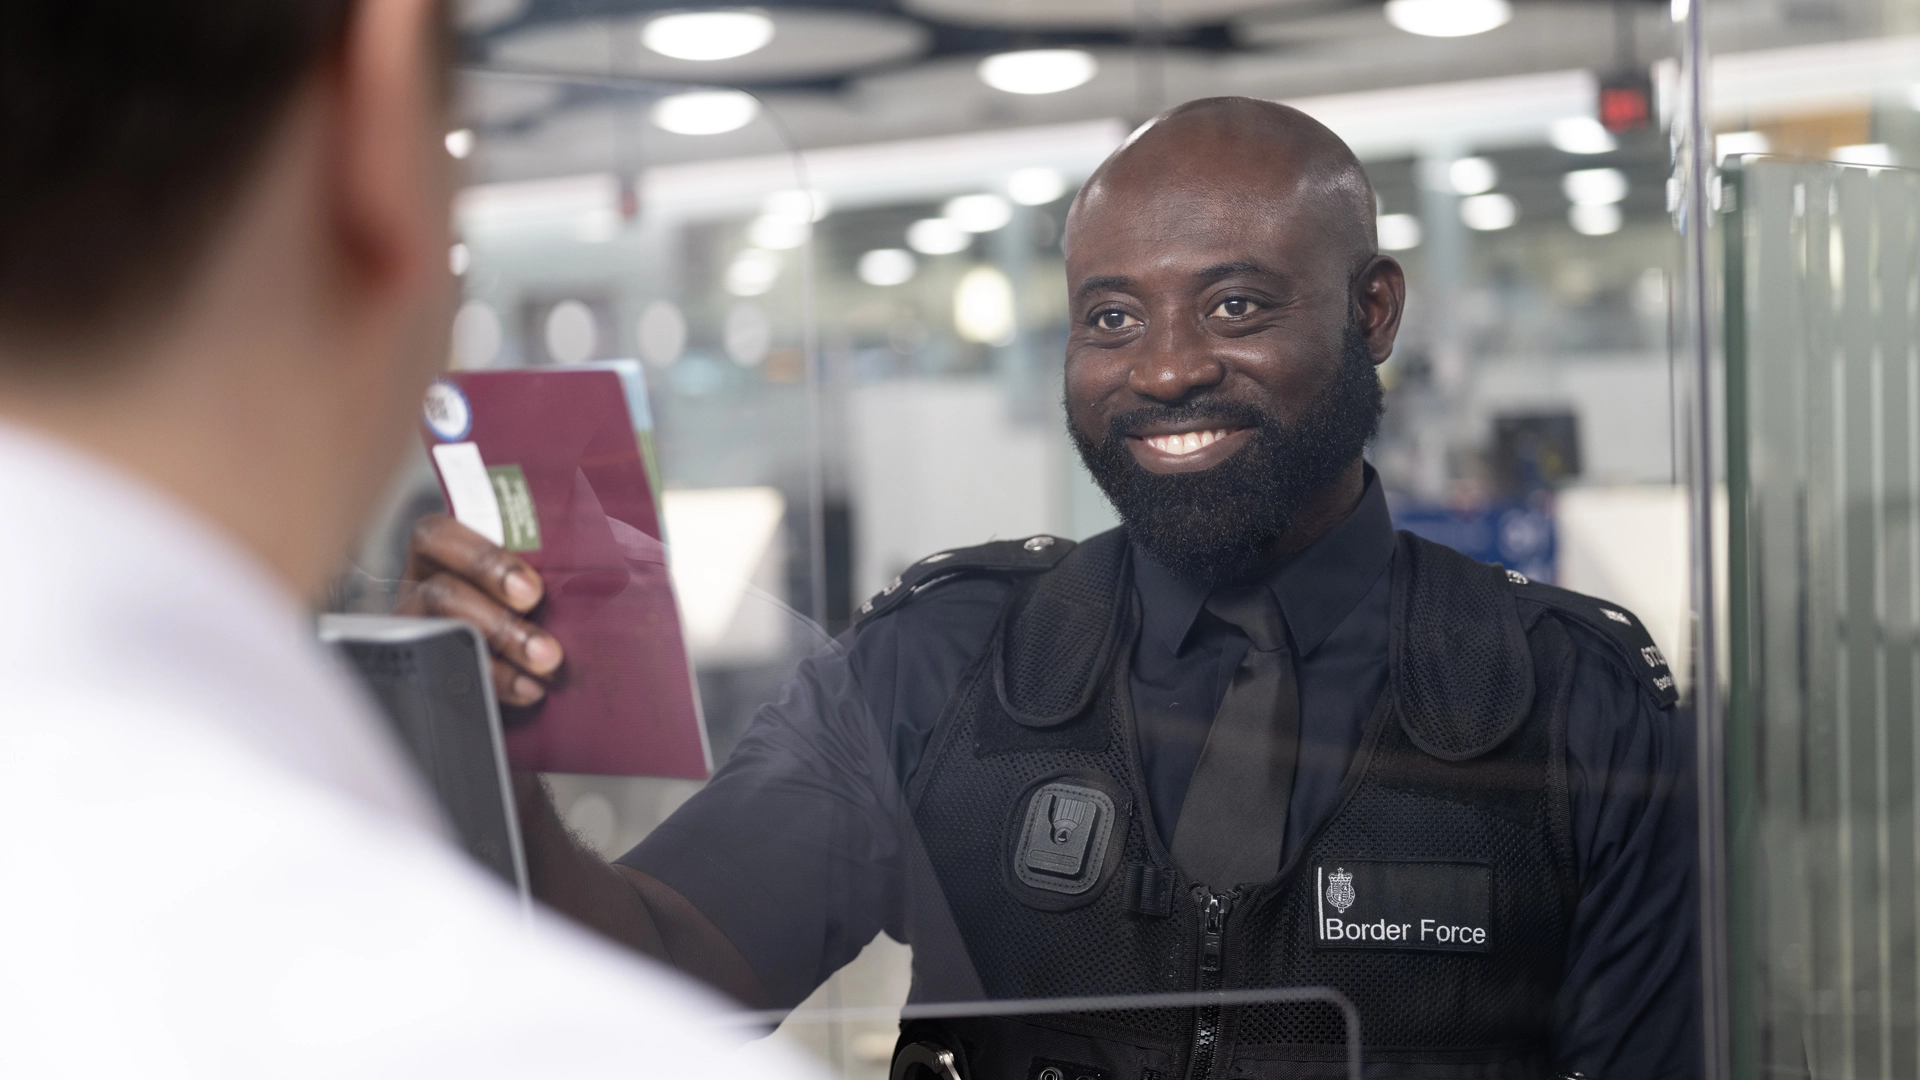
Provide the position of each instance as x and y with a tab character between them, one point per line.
1431	906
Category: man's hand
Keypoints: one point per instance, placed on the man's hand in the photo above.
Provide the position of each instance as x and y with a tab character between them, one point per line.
460	574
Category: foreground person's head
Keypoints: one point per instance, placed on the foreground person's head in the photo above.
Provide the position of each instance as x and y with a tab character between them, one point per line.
1228	307
223	237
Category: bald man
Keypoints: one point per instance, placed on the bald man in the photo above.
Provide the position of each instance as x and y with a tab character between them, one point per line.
1252	739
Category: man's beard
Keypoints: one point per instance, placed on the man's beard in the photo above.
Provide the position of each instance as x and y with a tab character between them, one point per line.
1219	524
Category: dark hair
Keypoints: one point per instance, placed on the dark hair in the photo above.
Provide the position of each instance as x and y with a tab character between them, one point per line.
125	127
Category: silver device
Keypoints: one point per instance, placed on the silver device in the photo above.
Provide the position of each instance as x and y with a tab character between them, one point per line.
432	678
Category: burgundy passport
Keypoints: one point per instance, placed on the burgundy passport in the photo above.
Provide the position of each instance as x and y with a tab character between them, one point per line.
546	463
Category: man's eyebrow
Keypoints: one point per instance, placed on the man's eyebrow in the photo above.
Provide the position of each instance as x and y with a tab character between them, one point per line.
1102	284
1227	269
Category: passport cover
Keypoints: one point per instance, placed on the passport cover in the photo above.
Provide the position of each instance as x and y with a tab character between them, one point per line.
566	485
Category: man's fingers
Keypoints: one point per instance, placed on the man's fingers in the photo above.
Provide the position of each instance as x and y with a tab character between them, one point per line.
520	642
463	575
511	686
450	545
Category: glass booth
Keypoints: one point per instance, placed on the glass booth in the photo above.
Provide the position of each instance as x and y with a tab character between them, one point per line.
1662	359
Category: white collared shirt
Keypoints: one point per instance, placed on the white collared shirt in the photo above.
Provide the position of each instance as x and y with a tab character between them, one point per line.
213	860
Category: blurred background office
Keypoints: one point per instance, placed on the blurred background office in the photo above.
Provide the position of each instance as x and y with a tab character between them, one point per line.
829	233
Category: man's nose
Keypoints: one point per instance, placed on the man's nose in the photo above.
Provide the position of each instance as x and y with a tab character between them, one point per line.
1173	361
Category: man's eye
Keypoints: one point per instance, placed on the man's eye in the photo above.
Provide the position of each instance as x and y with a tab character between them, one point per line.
1235	308
1112	320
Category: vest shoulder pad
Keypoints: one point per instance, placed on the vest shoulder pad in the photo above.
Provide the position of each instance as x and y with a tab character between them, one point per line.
1458	652
1004	557
1614	624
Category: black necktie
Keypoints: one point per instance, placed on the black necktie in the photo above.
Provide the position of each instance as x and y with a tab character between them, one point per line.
1234	822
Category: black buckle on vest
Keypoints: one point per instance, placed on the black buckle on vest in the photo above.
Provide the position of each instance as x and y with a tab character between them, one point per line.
1149	890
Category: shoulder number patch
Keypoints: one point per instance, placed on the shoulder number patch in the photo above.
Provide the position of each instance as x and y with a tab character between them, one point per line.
1620	629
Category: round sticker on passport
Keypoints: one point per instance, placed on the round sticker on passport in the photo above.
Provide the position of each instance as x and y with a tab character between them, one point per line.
446	411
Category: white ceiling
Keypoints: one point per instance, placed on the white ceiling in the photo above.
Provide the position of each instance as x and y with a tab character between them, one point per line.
806	44
1093	14
845	77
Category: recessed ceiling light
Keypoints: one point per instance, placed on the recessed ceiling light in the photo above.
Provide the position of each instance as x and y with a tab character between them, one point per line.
778	233
705	112
1735	143
796	204
1472	175
1398	232
1448	18
571	335
1488	212
977	213
1036	187
460	143
476	335
1594	220
886	266
1594	187
983	306
747	334
1581	135
937	236
1038	71
707	35
1876	154
662	332
753	272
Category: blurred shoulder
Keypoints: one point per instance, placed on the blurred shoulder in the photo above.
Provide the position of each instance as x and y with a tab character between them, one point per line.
278	917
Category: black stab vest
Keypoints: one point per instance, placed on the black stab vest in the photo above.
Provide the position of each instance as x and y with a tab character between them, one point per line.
1451	827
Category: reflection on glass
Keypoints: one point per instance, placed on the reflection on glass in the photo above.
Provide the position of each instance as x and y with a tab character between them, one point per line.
1822	339
1530	421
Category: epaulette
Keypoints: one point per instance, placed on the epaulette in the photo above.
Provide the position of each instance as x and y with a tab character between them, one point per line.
1615	625
1028	556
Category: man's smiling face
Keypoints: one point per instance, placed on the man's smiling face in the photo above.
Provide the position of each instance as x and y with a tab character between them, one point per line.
1227	310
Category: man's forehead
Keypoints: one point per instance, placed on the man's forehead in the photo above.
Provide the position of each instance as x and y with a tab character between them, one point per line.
1242	178
1226	165
1191	224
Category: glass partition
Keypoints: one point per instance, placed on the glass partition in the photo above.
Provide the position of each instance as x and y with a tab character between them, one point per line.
1811	316
845	347
1822	341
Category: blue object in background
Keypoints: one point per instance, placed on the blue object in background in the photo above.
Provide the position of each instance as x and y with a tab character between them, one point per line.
1517	535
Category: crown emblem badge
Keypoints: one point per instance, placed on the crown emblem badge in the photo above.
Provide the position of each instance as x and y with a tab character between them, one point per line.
1340	890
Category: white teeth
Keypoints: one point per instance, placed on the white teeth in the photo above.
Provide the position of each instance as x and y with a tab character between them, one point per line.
1185	442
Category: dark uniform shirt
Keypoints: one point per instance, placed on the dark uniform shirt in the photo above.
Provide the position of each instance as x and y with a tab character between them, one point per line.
795	848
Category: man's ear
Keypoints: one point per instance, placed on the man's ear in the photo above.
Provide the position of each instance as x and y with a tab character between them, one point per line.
1380	295
390	176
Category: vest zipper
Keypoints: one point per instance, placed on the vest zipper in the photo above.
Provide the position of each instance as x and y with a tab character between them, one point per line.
1206	1033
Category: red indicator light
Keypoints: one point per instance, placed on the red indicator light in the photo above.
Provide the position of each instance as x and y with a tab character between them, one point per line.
1626	103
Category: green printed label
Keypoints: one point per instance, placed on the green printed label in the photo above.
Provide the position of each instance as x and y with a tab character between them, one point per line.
517	518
